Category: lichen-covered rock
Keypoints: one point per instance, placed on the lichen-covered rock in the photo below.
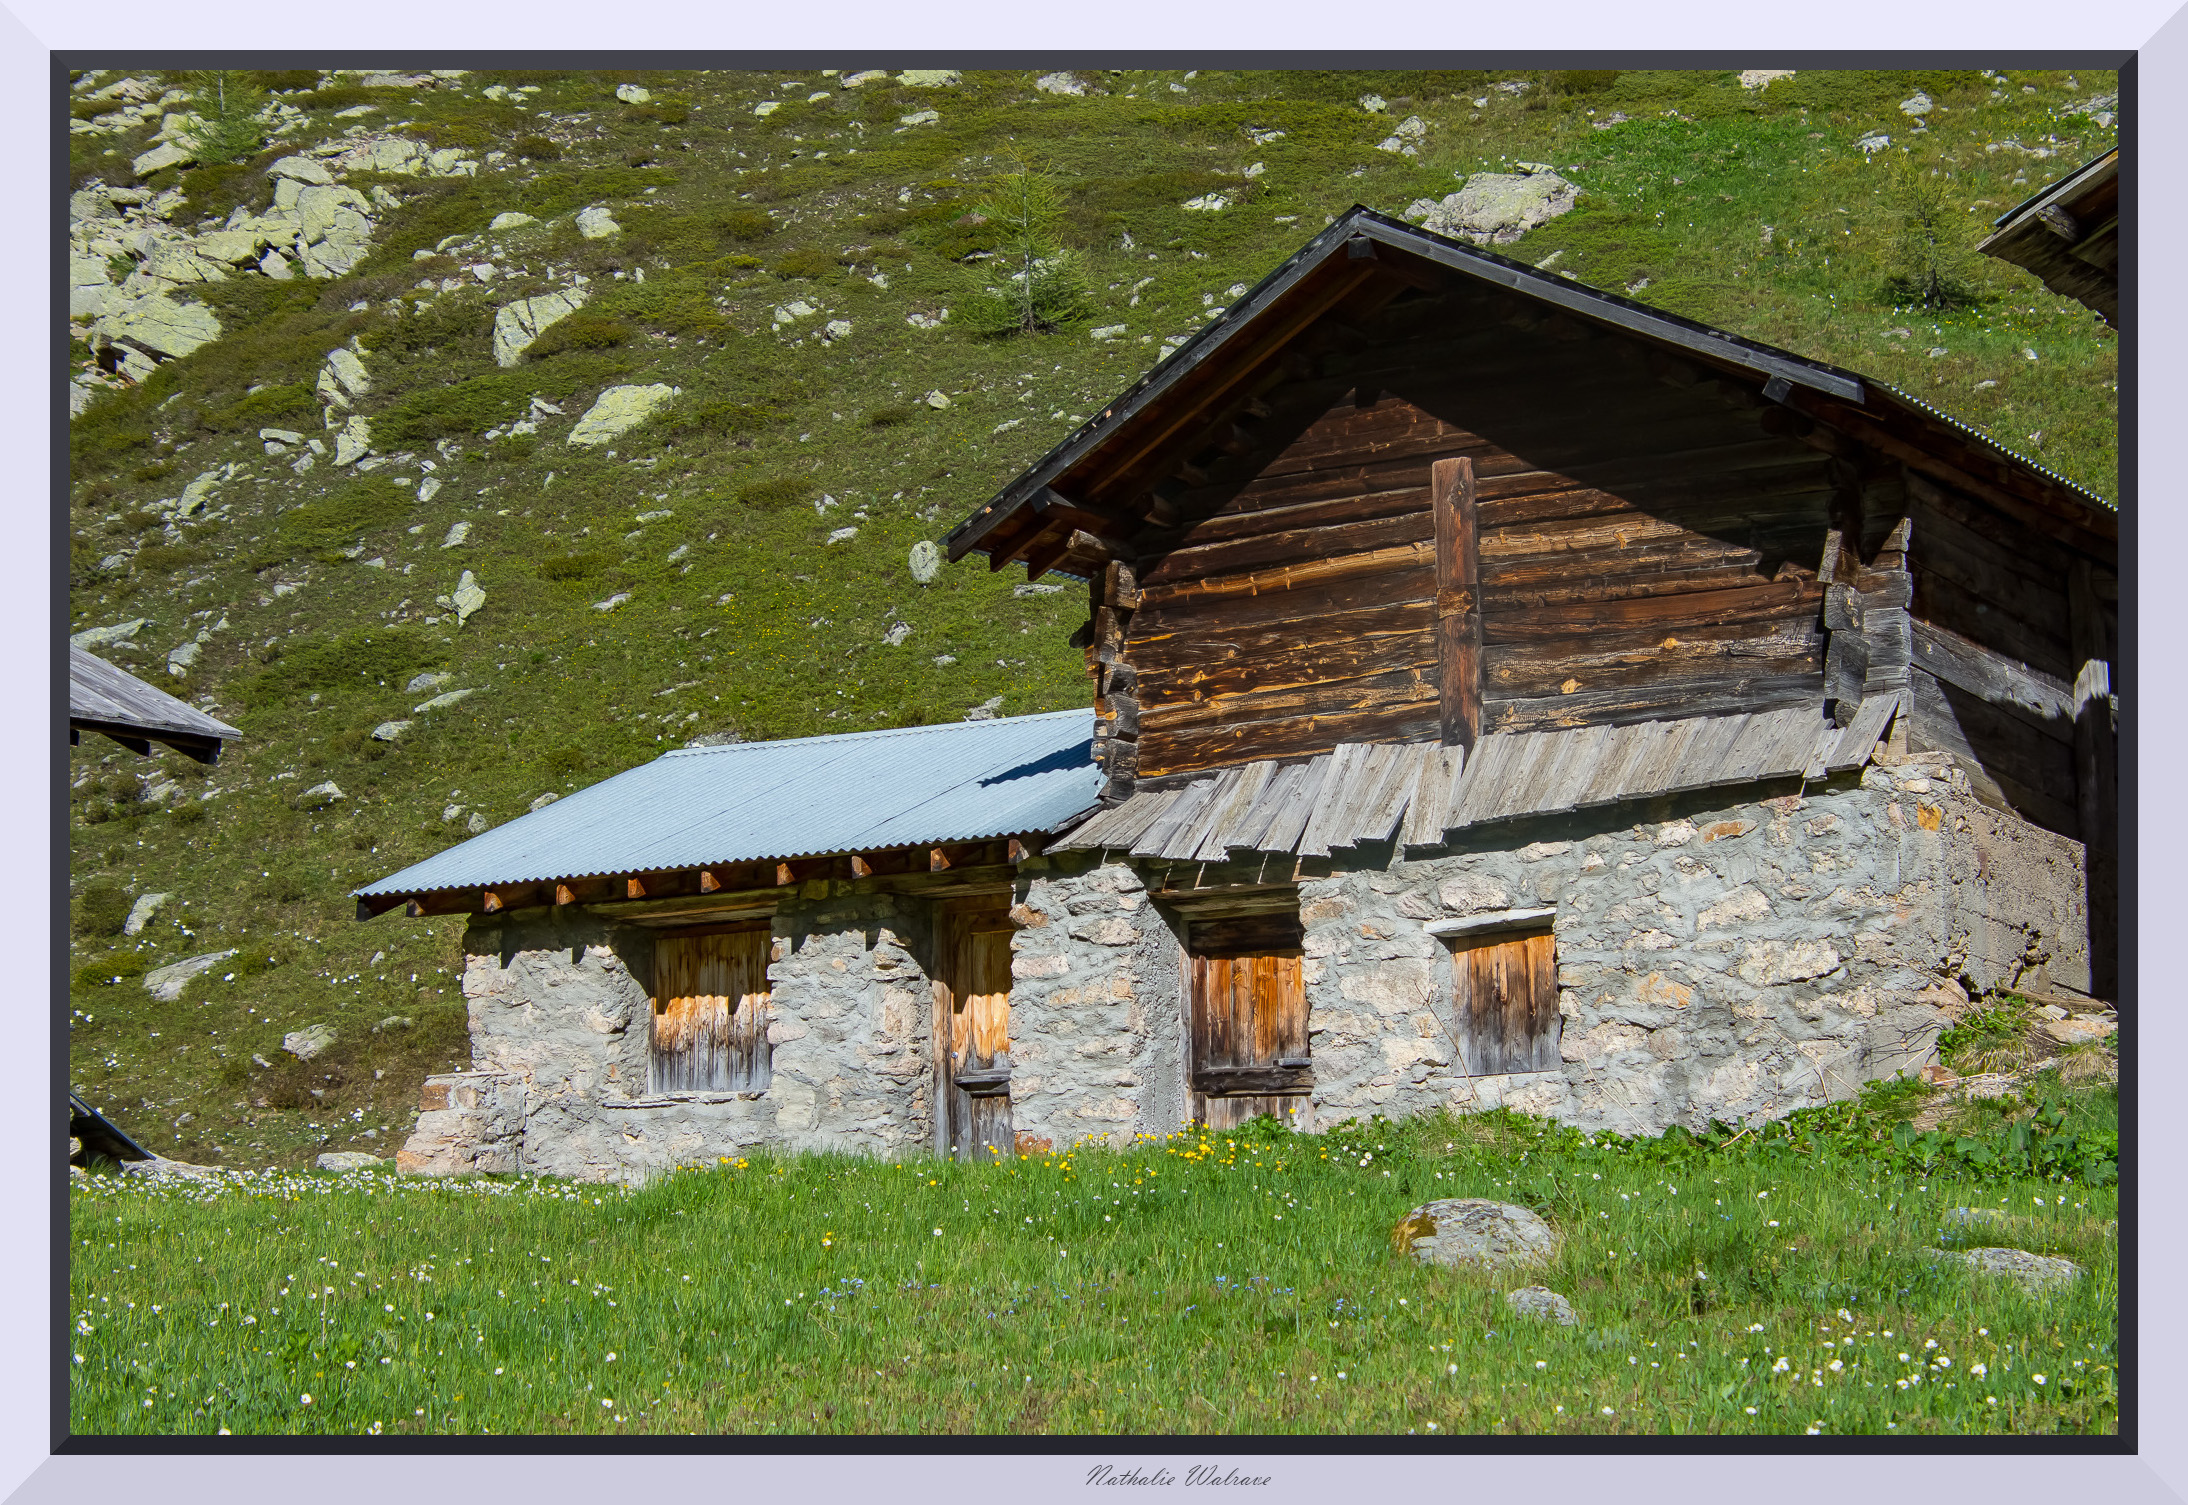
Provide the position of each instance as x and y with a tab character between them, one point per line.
141	913
301	170
1496	207
517	324
156	323
618	410
310	1041
166	983
2035	1272
348	1160
1544	1303
1473	1231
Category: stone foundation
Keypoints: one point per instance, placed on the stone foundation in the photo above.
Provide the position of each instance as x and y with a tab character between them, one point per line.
1716	960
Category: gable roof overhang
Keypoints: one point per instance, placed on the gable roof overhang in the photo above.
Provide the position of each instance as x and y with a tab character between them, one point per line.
1081	503
2067	234
115	703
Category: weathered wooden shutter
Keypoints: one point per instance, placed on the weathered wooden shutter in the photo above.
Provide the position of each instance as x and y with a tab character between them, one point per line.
1249	1020
972	1035
710	1010
1505	1001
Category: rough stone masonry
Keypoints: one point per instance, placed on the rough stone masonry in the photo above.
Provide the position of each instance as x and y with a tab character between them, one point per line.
1716	959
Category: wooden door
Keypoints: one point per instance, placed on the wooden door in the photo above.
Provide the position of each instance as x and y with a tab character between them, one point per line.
1249	1021
972	1034
710	1009
1505	1002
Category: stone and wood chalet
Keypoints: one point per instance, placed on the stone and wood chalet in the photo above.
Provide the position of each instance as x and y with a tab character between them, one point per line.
1501	693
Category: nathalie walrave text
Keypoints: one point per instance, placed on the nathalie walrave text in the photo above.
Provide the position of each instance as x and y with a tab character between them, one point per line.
1162	1478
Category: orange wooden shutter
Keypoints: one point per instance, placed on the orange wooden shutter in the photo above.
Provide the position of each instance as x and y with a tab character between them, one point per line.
710	1011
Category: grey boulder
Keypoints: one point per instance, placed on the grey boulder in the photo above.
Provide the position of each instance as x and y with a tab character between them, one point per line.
1542	1302
166	983
141	913
2034	1272
348	1160
1473	1232
308	1042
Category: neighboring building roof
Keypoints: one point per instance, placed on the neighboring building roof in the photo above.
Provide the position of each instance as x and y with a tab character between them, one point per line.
114	702
803	797
1045	517
1416	792
2068	234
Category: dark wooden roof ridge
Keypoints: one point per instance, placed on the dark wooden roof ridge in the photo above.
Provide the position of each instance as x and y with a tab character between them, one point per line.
1813	386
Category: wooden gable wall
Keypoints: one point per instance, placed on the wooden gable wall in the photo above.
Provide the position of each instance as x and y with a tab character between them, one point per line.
1653	536
1647	547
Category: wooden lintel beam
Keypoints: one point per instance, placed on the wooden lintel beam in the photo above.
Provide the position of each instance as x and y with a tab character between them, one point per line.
1016	546
1045	558
1051	504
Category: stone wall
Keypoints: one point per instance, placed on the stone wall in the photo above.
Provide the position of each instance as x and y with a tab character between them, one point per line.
1097	1011
1716	960
1726	961
559	1017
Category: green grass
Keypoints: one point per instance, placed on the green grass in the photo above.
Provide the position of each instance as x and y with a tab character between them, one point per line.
783	630
1241	1283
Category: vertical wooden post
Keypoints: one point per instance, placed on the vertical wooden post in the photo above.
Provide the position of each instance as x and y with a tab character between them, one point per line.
1458	601
2096	774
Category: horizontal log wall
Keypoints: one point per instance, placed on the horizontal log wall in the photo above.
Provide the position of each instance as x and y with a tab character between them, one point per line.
1996	657
1647	549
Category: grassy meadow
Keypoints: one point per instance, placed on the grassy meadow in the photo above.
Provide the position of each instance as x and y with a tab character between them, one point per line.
694	577
1786	1280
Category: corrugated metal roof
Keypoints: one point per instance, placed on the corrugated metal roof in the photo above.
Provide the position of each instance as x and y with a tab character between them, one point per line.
804	797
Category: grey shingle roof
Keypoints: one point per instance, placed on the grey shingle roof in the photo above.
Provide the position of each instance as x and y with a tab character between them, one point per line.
102	698
805	797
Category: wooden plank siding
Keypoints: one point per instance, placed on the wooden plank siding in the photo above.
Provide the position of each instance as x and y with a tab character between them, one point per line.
1657	559
1450	517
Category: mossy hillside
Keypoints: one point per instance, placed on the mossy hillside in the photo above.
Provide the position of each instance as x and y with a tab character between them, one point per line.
316	589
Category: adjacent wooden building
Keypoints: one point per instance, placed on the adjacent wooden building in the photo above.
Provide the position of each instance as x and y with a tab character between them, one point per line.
2067	234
